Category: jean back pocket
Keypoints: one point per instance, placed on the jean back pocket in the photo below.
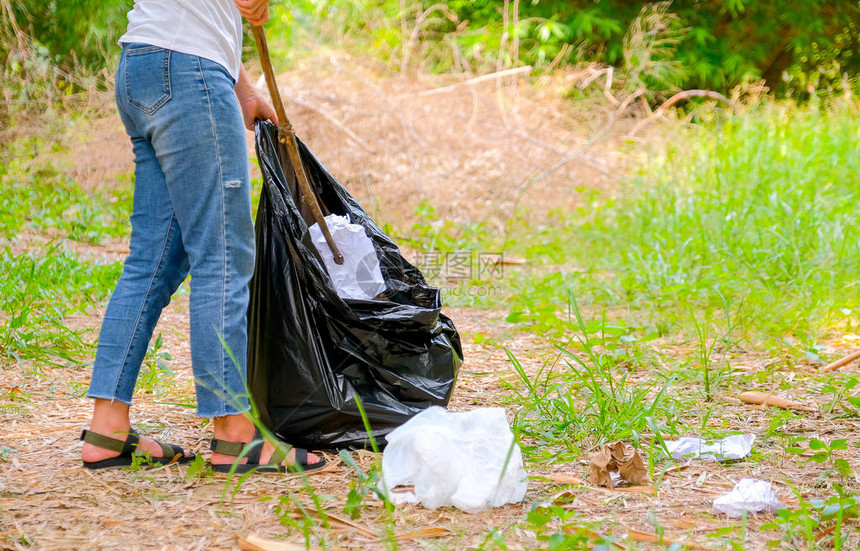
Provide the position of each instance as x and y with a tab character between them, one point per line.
147	77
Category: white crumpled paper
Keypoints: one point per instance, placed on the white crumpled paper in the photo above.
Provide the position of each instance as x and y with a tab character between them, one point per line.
751	495
730	447
359	277
455	459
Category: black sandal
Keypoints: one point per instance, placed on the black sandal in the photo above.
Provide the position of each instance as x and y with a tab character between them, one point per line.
128	450
255	448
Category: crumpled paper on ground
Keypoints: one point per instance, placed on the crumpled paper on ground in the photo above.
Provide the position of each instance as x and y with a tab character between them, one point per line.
455	459
731	447
359	277
751	495
618	458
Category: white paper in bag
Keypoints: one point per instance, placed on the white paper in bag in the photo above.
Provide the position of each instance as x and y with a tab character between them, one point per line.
359	277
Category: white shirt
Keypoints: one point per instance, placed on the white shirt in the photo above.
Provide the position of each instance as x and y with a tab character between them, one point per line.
211	29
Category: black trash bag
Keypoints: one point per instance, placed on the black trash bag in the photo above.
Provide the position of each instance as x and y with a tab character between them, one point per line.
309	351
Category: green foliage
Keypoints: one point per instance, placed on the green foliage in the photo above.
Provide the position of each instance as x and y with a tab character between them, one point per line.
746	215
712	375
365	485
430	233
50	51
44	286
711	44
37	293
5	452
156	372
560	529
823	455
808	526
840	386
71	32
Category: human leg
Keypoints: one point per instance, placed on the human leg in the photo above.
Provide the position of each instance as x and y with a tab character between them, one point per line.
184	121
200	144
195	139
154	269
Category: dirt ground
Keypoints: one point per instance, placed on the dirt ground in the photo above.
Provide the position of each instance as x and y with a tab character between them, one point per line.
466	149
469	150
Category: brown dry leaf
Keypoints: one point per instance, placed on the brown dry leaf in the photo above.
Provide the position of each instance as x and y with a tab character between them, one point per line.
620	458
600	464
633	470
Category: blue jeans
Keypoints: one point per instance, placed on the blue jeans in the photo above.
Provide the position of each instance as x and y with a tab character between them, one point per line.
191	213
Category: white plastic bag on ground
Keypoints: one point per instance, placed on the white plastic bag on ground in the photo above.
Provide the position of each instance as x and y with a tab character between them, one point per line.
731	447
359	277
455	459
754	496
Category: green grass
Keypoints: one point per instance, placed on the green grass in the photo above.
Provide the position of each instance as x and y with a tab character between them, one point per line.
45	285
39	198
38	292
742	235
750	218
601	387
759	212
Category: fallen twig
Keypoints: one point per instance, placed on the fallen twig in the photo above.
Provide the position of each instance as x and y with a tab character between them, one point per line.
767	399
471	81
345	522
646	537
686	94
255	543
841	362
336	123
333	121
432	532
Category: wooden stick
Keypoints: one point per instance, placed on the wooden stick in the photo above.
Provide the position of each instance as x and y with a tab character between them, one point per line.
695	94
432	532
287	136
841	363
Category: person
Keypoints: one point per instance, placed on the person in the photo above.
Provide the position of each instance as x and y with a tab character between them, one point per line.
183	97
